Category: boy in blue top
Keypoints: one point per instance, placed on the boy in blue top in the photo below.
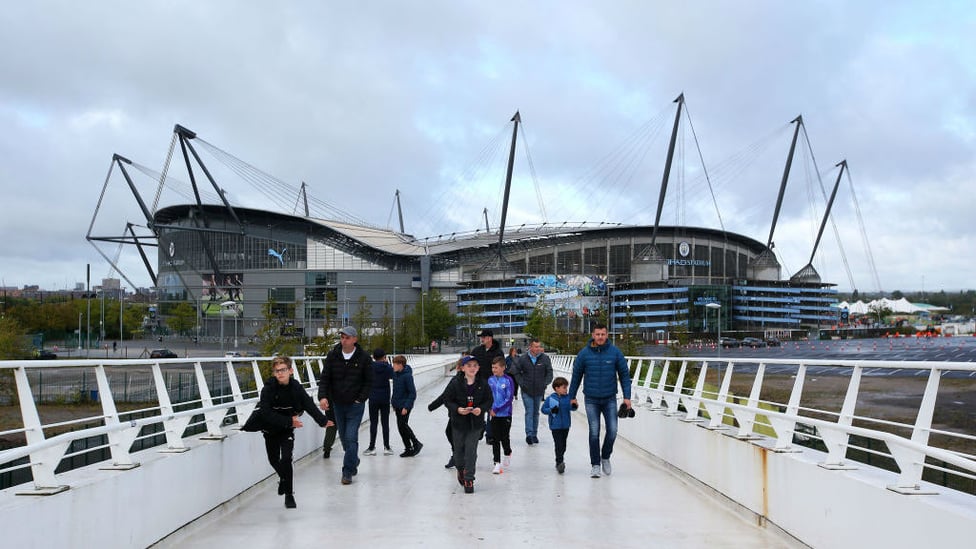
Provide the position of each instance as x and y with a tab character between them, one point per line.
502	394
557	406
404	395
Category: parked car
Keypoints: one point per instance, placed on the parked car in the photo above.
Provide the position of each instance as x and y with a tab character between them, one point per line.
772	342
753	342
730	343
44	354
162	353
232	354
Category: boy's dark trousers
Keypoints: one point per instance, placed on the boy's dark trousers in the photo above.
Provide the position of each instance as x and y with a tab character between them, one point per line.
500	428
379	408
279	447
406	433
329	440
559	437
466	447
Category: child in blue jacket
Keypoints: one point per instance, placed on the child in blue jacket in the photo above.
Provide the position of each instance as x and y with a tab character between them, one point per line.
557	406
503	393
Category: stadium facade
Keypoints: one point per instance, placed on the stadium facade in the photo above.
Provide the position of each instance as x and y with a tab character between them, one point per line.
321	272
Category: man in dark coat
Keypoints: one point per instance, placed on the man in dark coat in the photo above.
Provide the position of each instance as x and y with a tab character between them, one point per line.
347	377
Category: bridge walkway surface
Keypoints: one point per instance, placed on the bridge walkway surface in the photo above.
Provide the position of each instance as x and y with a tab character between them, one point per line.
417	502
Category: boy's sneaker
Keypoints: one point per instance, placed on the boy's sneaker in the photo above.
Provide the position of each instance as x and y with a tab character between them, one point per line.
290	501
507	461
370	451
607	469
346	479
469	487
560	468
417	446
450	463
595	471
497	470
406	453
387	451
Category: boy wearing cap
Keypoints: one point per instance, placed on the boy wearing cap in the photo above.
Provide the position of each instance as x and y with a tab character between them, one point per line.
468	399
347	377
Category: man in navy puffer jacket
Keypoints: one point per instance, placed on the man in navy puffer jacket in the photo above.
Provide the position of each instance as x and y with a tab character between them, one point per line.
602	365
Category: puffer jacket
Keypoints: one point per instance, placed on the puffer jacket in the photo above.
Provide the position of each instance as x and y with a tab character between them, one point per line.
560	418
602	365
346	381
404	390
456	396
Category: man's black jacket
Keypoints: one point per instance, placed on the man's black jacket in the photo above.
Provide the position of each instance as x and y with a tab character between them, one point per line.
346	381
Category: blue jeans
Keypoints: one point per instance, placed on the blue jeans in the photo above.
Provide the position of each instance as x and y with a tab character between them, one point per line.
348	418
595	406
532	406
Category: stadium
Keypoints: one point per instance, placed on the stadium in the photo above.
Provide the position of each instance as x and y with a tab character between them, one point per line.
650	280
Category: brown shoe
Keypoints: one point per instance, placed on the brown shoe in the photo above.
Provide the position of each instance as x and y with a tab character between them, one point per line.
346	480
469	487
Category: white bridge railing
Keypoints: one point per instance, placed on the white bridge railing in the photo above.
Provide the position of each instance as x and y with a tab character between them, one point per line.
699	390
223	401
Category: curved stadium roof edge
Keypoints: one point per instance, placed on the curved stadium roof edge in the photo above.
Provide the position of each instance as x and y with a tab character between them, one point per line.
392	242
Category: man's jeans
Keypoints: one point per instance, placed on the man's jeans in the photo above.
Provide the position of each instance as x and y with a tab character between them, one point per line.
348	418
595	406
532	406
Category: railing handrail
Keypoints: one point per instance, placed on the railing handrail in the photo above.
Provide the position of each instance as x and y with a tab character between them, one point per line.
650	384
46	453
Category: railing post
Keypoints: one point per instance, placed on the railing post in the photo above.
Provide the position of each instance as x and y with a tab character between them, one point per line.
837	439
213	417
242	409
119	441
716	408
747	417
673	397
173	428
911	462
785	426
657	395
693	401
43	462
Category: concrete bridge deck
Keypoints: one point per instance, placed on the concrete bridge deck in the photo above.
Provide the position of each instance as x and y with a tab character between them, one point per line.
416	502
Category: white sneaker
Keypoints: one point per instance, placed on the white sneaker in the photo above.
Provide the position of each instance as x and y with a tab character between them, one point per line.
388	451
370	452
607	469
506	461
595	471
497	470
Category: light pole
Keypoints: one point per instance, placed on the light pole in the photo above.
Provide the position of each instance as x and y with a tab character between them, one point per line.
232	305
121	301
423	324
345	302
79	332
718	336
395	288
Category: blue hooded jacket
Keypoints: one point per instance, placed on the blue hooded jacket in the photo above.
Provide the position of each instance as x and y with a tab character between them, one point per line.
562	418
404	390
602	365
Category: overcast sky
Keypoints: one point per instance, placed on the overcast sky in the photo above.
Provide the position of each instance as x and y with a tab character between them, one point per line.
359	99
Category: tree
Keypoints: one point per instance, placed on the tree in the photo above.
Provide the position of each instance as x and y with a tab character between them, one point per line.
13	345
437	317
183	317
362	321
270	336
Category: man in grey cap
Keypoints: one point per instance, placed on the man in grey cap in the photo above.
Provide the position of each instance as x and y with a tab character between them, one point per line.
347	377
